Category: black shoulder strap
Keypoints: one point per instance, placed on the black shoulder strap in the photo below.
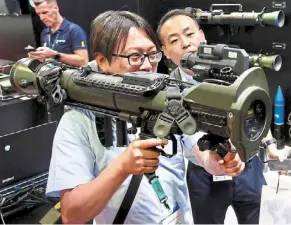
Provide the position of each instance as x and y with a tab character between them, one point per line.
104	130
176	74
128	199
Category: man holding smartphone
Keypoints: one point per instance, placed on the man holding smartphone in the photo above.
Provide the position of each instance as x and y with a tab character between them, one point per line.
61	40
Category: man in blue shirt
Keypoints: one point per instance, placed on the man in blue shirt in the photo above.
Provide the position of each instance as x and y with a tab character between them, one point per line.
61	39
90	179
211	193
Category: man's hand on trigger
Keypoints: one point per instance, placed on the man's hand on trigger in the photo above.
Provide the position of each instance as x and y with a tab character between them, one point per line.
212	163
233	166
140	156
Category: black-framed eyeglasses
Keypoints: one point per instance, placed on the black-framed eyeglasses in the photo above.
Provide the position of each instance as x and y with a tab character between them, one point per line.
137	59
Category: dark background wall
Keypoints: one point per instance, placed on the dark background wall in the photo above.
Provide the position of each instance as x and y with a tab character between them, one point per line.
83	12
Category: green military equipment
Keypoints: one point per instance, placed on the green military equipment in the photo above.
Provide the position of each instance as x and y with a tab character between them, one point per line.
241	105
224	63
216	62
161	106
273	62
220	17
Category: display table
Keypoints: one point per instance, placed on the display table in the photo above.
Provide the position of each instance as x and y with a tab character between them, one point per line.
276	206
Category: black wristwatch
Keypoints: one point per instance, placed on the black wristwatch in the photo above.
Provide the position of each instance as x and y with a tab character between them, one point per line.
57	56
269	142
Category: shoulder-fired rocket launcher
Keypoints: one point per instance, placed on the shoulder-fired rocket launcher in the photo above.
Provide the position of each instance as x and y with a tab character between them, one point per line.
161	106
220	17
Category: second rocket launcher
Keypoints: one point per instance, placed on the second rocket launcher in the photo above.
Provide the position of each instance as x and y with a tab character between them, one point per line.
219	17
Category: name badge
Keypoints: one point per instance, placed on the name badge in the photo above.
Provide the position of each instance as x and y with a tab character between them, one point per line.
221	178
172	217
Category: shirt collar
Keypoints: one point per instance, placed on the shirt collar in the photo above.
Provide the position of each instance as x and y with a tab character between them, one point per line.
63	26
186	77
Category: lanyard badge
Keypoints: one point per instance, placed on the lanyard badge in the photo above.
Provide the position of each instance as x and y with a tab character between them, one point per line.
52	45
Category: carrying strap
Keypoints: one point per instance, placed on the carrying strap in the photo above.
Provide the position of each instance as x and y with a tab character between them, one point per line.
104	130
128	199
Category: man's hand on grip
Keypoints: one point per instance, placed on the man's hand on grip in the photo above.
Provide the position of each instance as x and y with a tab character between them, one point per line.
141	157
233	165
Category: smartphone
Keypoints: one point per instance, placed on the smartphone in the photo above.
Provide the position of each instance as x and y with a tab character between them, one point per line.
30	49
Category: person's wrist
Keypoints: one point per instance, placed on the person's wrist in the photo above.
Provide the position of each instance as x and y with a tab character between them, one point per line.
204	158
52	54
121	167
270	142
272	146
57	56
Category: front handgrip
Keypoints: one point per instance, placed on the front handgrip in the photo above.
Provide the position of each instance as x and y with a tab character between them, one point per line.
214	143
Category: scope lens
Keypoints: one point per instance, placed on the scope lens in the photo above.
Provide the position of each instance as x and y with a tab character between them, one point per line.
254	120
277	63
281	19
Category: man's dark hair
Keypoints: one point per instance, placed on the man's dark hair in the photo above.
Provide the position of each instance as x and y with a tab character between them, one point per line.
169	15
109	31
